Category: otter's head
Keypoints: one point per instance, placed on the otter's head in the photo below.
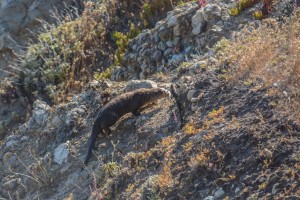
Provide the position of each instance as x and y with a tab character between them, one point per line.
158	93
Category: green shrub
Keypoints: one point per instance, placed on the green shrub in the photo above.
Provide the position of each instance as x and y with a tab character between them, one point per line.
65	56
122	41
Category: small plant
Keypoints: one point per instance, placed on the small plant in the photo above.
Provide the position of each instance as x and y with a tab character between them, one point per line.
199	160
216	113
122	41
111	169
245	4
165	178
103	75
188	146
190	129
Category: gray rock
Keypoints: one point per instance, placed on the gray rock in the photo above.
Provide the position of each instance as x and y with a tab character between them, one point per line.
170	44
177	58
61	153
75	114
157	55
219	193
197	22
172	21
190	94
136	84
211	11
162	46
40	112
168	51
176	30
275	188
209	198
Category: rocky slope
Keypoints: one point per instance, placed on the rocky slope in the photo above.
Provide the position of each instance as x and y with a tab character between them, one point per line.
235	144
18	19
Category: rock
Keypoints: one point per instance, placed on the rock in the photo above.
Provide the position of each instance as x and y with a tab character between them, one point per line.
12	140
161	46
61	153
194	107
177	58
24	138
197	22
194	100
211	11
172	21
190	94
40	112
168	51
75	114
170	44
237	190
274	188
209	198
136	84
157	55
219	193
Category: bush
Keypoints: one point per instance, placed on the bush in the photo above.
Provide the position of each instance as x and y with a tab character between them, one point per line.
269	54
65	56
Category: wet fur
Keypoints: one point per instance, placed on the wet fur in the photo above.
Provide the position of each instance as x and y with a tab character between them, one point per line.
130	102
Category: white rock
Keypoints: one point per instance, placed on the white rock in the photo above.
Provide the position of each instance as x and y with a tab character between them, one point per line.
219	193
197	21
190	94
136	84
209	198
194	100
274	188
61	153
40	112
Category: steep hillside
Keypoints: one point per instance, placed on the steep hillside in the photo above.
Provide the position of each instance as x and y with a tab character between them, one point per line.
230	131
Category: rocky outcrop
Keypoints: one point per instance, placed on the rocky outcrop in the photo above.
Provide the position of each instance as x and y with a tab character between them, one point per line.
19	18
187	30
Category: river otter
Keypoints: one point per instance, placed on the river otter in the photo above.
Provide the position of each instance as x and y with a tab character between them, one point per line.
119	106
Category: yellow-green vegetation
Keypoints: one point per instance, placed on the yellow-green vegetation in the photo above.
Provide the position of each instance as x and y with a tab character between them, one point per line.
103	75
122	42
190	129
271	54
152	8
245	4
65	56
199	160
111	169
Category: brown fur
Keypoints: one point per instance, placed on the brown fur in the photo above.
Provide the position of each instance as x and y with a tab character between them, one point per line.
130	102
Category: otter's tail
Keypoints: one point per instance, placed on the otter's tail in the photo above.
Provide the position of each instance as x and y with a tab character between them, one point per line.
96	130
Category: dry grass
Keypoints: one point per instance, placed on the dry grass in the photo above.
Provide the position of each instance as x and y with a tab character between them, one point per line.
270	54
